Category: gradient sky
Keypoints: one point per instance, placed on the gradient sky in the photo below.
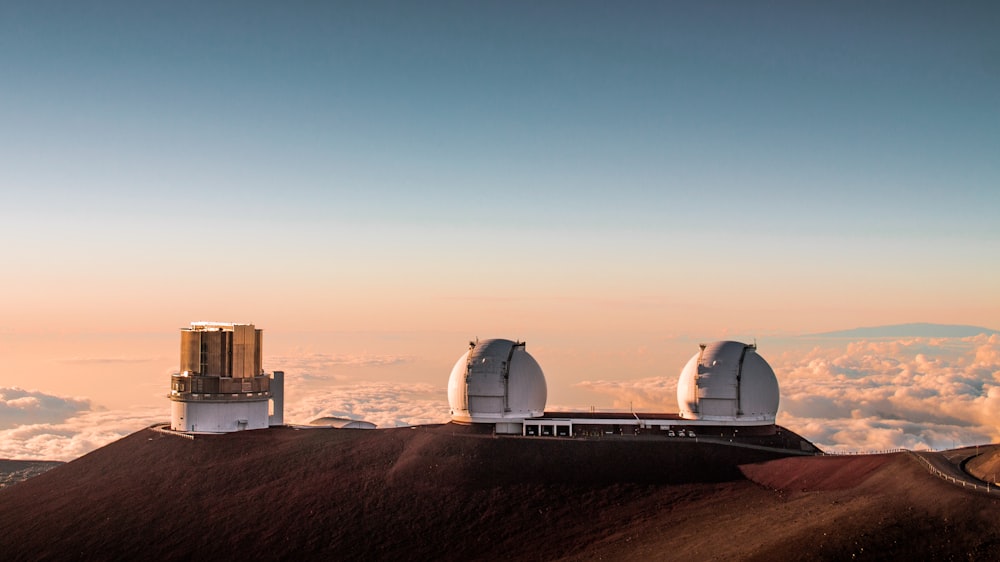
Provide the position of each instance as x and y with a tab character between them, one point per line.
391	179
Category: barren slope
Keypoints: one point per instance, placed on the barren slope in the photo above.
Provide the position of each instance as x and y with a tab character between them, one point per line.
444	493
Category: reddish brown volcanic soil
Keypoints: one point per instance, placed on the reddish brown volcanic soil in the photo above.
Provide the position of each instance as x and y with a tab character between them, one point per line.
445	493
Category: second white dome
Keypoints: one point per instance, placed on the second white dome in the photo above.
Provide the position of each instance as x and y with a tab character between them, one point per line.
727	380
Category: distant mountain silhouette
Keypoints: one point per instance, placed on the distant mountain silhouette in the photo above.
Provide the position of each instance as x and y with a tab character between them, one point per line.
915	330
450	493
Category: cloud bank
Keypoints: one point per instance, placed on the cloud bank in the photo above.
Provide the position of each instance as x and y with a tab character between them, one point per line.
77	435
384	404
848	396
326	366
912	393
20	407
652	394
869	395
39	426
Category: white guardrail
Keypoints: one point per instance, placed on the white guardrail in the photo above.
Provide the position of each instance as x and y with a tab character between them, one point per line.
989	489
871	452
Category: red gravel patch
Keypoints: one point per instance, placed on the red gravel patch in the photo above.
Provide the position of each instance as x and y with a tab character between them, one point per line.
816	473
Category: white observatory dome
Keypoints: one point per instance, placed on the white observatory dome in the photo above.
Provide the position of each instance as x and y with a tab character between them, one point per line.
494	381
728	381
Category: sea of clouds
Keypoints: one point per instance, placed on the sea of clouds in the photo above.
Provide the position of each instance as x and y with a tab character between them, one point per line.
43	426
865	395
36	425
916	393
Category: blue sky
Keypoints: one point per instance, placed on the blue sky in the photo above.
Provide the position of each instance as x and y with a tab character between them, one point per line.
596	178
608	147
593	115
694	149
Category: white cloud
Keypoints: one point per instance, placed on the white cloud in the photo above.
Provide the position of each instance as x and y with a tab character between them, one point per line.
876	434
327	366
869	395
652	394
912	393
77	435
61	428
384	404
865	395
38	425
19	406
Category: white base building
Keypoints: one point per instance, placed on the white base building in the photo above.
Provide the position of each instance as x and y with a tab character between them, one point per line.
219	416
221	387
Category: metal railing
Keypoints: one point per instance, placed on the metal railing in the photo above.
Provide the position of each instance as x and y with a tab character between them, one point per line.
989	489
866	452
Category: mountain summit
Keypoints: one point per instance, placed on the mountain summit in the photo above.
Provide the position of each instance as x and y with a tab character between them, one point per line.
451	493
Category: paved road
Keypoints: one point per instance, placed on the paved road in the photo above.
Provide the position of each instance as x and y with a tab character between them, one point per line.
949	465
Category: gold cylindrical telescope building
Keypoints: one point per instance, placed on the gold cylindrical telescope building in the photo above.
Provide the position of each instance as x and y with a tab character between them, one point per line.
221	385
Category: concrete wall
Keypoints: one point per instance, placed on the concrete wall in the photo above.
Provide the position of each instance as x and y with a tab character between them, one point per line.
509	428
236	415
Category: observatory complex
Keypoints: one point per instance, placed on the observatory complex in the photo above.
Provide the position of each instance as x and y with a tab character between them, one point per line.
221	386
726	389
